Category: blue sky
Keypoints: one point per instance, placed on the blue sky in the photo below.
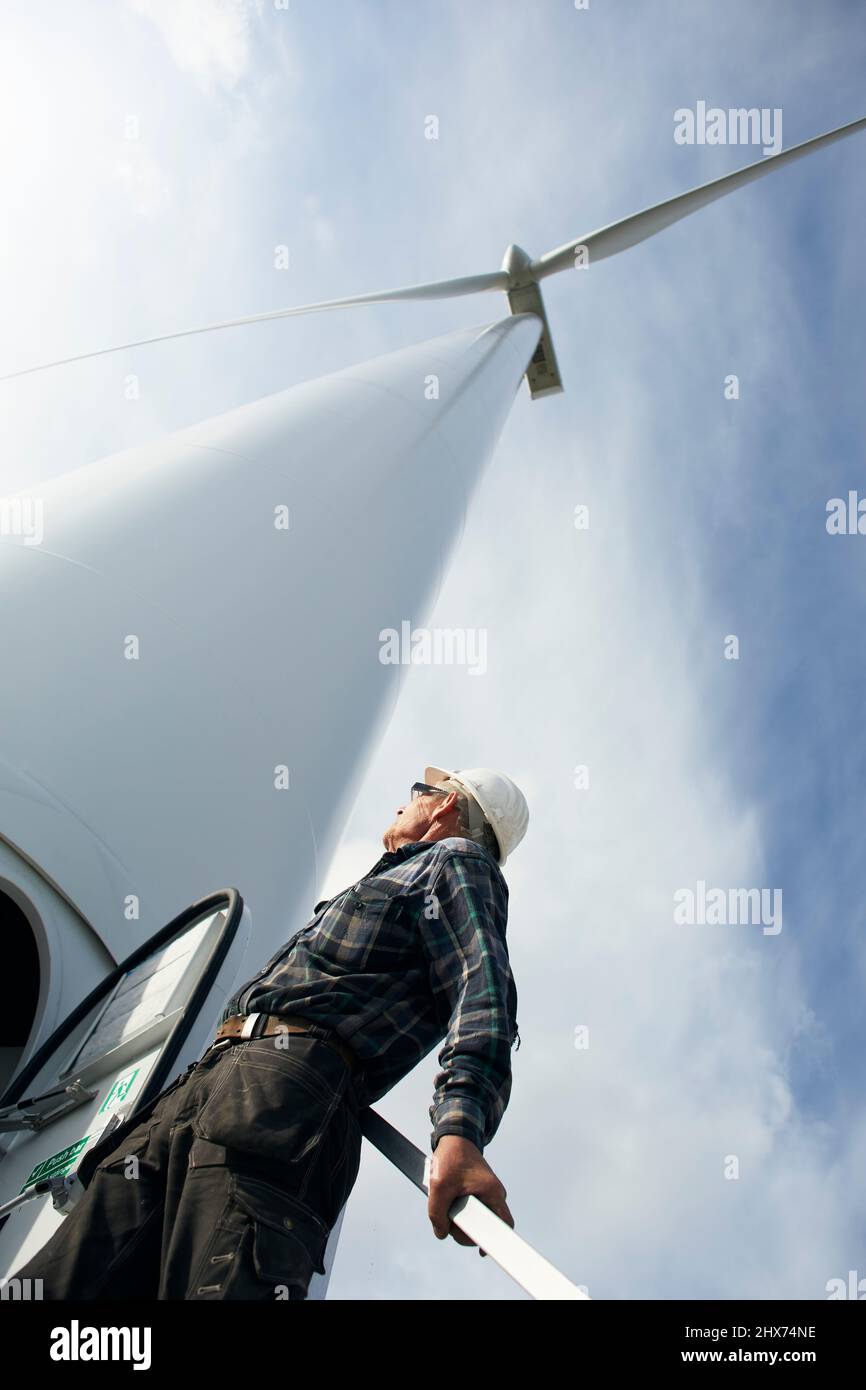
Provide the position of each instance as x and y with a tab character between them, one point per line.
305	127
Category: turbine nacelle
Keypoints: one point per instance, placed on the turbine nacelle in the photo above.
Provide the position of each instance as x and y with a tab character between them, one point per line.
524	297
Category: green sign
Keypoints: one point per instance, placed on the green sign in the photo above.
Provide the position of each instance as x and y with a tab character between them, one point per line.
58	1164
119	1091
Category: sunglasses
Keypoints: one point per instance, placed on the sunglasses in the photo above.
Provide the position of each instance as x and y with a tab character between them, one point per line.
422	789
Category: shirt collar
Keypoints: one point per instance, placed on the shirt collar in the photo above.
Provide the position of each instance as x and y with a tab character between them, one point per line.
395	856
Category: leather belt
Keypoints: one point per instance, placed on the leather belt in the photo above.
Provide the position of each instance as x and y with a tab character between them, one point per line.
269	1025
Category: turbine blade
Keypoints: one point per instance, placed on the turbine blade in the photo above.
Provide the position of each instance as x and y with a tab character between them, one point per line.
619	236
437	289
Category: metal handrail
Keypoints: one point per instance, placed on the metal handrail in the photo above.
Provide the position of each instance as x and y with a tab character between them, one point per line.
535	1274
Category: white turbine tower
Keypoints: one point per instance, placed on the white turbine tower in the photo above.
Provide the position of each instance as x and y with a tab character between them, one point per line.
196	695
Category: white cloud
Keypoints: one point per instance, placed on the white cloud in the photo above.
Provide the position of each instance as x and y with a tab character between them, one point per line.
323	229
353	859
209	39
144	180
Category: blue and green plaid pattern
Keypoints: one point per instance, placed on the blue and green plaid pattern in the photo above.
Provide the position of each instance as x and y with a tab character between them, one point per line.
412	953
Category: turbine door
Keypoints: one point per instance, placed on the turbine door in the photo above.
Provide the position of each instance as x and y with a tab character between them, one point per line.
112	1056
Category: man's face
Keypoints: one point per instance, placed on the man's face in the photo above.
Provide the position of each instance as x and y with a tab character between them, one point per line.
428	817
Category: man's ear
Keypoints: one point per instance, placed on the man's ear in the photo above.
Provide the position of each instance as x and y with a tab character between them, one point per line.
446	806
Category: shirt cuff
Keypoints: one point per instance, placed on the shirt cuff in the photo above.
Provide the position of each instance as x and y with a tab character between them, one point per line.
463	1118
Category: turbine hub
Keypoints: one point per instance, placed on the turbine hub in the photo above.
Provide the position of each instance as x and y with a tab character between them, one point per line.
517	266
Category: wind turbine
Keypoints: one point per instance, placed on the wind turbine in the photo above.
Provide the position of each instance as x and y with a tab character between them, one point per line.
202	690
519	276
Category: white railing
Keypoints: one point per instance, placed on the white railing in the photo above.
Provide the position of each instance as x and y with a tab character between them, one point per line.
536	1275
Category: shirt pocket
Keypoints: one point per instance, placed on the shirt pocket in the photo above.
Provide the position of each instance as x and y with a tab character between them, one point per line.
372	899
366	907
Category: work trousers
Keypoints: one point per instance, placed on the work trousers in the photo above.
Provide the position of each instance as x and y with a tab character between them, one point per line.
225	1187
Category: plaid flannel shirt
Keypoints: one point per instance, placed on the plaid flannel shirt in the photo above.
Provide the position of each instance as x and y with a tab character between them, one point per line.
412	953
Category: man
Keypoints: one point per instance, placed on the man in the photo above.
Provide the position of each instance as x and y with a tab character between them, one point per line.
229	1183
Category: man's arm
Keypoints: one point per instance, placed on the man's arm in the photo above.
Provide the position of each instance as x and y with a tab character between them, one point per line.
472	984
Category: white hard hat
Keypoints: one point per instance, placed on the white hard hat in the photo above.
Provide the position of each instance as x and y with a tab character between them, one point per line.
503	803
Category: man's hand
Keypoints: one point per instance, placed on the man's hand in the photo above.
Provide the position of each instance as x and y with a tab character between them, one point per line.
458	1169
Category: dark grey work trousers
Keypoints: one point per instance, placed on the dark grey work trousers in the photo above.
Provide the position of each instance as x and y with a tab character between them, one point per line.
225	1187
